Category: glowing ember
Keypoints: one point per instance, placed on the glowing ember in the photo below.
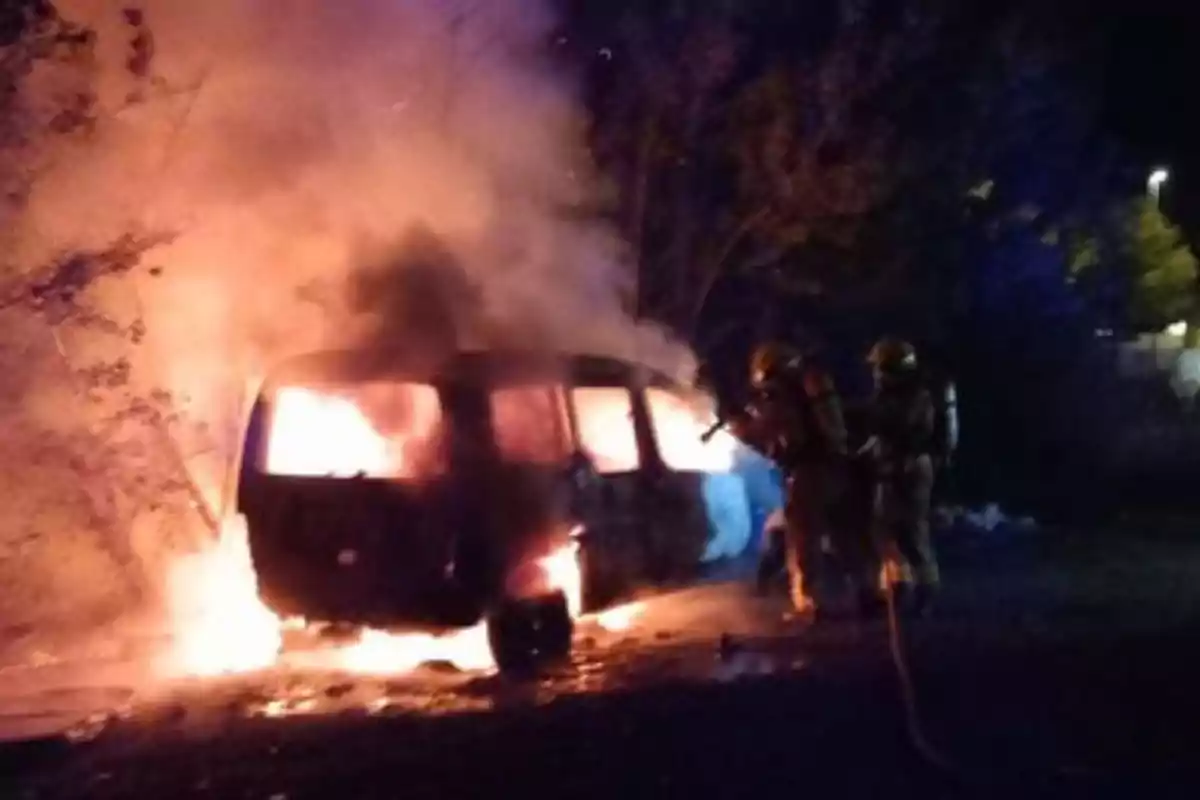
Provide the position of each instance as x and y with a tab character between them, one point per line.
221	625
282	707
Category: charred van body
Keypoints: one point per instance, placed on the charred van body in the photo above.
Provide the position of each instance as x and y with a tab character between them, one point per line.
392	491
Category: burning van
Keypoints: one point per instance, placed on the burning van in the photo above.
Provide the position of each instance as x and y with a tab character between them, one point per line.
518	488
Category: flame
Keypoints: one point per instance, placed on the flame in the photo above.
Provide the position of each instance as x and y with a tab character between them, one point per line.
678	427
381	430
221	626
620	618
325	434
606	430
381	653
563	573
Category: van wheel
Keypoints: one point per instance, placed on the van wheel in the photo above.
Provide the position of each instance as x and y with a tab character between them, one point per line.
528	633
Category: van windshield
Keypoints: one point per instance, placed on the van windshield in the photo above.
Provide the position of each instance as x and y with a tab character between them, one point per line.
377	430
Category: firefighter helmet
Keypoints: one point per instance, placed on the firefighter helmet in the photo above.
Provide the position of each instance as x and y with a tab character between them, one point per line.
768	360
892	355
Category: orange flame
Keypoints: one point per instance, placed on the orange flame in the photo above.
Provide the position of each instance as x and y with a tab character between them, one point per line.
606	432
379	429
221	625
679	423
380	653
562	573
325	434
620	618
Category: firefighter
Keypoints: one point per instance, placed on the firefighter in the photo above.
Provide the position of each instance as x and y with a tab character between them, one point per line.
854	517
795	419
903	416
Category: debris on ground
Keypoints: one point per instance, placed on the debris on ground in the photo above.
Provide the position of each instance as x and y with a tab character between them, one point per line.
989	520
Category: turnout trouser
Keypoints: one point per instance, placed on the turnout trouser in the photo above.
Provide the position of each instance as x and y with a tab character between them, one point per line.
806	508
823	500
902	508
827	500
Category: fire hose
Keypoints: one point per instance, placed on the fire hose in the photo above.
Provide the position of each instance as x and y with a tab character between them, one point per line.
929	752
934	755
908	695
915	729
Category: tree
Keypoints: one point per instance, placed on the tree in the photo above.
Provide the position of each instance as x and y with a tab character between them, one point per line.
660	90
1166	275
109	441
1138	271
743	159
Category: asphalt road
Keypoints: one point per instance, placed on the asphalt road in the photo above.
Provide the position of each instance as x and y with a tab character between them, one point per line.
1057	666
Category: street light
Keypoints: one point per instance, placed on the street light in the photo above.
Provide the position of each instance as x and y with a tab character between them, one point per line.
1155	182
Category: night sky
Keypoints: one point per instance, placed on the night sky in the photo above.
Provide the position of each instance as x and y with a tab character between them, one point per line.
1147	65
1151	92
1150	51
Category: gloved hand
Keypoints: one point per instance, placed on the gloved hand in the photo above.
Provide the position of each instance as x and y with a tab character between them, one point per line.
869	447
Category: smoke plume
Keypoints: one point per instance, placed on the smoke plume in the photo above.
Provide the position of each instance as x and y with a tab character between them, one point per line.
269	153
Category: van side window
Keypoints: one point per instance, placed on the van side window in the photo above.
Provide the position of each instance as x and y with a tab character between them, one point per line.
378	430
679	422
528	424
606	431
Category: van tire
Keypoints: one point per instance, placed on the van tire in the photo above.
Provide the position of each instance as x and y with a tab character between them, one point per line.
526	634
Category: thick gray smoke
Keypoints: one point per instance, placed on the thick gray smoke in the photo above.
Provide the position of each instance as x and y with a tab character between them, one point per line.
285	145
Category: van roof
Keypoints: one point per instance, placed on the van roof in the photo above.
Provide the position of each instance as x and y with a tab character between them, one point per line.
496	366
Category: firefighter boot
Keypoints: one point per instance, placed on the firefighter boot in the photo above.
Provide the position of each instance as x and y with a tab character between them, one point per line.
804	608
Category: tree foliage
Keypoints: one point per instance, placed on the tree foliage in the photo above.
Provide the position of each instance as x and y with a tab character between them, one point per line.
1136	270
736	155
114	440
832	151
1166	278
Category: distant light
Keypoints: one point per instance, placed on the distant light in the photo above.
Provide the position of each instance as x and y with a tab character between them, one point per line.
1156	180
1177	329
1103	333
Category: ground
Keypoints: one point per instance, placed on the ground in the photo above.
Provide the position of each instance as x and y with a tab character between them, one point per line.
1059	664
